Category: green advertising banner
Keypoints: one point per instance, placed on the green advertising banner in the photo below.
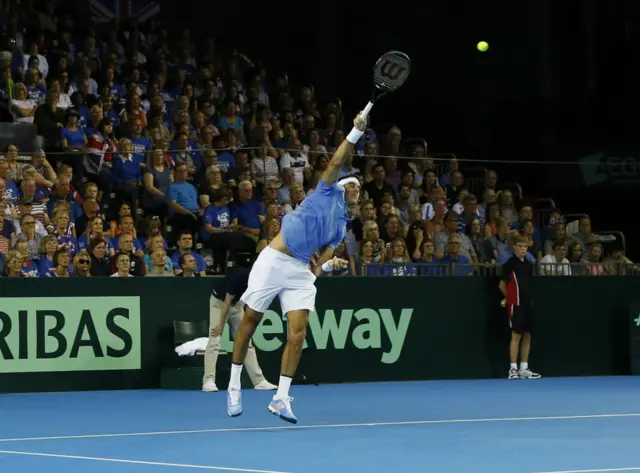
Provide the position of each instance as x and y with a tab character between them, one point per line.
52	334
361	329
87	334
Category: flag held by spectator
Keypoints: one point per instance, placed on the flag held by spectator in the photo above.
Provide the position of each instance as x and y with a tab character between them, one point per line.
103	11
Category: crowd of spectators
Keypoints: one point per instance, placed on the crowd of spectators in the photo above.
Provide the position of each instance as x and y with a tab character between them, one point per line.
162	157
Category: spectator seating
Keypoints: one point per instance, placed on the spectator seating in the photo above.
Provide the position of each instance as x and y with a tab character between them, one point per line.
187	162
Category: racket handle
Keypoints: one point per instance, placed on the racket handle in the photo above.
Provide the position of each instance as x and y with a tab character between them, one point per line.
367	109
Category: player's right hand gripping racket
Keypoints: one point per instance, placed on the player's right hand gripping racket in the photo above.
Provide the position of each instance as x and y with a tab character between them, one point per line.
389	73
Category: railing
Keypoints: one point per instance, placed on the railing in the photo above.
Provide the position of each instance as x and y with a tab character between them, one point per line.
608	268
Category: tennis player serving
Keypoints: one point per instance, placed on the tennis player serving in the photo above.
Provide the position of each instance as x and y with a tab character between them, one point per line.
282	269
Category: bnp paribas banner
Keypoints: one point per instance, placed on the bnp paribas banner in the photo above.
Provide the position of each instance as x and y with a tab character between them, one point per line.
48	334
379	331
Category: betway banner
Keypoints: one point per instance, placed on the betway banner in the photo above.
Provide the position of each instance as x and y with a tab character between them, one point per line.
53	334
379	331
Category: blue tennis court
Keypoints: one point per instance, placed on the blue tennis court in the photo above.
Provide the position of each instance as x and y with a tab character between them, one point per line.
577	425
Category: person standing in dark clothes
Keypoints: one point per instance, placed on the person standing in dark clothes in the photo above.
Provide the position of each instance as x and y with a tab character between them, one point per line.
516	286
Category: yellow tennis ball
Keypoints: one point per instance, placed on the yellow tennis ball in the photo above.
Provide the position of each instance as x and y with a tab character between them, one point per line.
483	46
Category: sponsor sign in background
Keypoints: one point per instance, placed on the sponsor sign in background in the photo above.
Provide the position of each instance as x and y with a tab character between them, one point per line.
365	329
42	334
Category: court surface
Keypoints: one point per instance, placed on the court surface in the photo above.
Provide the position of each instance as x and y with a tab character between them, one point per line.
577	425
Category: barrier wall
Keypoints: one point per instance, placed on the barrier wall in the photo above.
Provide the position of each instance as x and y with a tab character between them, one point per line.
88	334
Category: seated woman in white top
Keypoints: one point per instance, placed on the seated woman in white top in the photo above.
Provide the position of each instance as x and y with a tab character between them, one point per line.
22	107
556	264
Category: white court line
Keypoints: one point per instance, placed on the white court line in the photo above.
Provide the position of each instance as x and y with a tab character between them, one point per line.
323	426
604	470
138	462
242	470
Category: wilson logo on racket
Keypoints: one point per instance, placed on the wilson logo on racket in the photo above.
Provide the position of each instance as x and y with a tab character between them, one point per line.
392	70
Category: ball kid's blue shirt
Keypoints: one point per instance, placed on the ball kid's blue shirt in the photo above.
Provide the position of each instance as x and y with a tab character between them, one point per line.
320	220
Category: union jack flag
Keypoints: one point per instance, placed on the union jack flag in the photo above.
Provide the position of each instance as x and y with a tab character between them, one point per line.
104	11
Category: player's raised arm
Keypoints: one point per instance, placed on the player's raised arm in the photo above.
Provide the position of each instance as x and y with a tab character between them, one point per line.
330	174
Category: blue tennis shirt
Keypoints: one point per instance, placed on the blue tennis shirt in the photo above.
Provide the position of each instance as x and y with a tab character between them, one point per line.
320	220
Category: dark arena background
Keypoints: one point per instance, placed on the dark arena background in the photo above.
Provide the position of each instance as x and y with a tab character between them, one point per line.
558	84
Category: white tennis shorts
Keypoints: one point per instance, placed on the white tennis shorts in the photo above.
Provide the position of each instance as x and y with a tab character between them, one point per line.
276	274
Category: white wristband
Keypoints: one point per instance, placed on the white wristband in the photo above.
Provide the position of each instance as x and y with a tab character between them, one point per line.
326	267
354	135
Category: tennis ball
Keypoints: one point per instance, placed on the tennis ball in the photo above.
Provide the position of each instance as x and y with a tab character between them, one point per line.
483	46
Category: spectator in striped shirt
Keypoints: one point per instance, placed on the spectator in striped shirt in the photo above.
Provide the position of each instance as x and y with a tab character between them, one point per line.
39	208
264	167
29	234
97	161
26	208
64	231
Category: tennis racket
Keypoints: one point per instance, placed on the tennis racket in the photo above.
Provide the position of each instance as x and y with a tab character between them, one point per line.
389	73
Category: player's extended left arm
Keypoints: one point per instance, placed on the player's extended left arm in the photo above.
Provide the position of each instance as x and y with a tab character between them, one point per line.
325	256
327	262
330	174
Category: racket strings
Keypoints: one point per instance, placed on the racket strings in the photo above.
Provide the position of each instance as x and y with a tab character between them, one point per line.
391	71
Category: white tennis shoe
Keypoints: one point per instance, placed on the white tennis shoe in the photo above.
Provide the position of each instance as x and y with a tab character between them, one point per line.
528	374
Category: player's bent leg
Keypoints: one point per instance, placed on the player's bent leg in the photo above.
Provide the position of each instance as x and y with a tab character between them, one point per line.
251	360
263	286
250	322
297	327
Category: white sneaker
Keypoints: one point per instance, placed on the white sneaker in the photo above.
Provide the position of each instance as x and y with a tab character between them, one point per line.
282	409
234	402
513	374
528	374
265	385
210	387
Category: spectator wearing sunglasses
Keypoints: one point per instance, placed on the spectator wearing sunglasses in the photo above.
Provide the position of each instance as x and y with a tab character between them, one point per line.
82	265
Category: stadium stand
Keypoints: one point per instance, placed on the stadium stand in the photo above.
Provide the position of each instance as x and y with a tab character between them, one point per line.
122	140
